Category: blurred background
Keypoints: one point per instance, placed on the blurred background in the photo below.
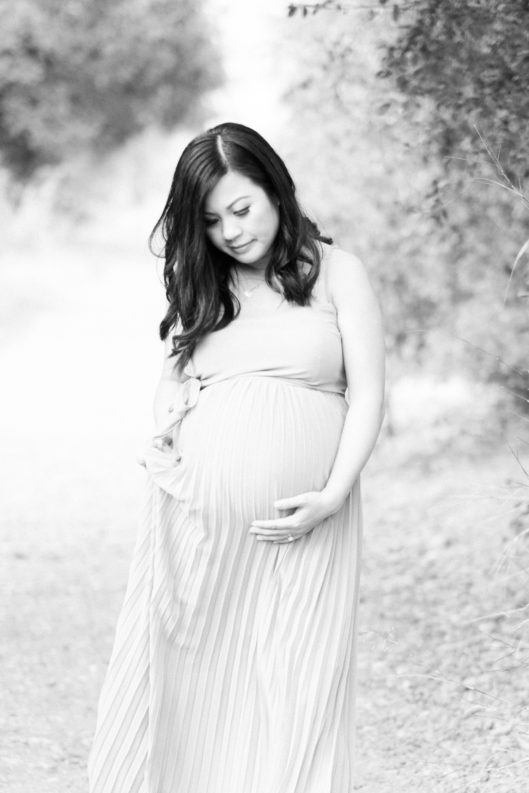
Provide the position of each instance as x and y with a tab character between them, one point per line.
405	127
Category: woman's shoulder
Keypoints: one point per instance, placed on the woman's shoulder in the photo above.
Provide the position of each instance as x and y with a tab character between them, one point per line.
338	269
335	259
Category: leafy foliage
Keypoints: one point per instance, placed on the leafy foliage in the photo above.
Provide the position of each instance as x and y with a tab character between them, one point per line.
423	113
468	64
88	74
471	60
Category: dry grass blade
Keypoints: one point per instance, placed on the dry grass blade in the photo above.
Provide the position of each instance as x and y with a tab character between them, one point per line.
521	252
518	460
505	184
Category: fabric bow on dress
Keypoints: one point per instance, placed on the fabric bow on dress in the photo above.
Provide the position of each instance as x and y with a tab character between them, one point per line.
164	464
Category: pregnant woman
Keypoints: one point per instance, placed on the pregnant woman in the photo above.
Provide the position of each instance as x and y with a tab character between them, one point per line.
233	667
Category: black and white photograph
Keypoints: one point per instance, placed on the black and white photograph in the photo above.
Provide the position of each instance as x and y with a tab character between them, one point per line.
264	343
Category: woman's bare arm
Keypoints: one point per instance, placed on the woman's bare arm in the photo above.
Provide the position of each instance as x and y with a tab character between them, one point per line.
360	324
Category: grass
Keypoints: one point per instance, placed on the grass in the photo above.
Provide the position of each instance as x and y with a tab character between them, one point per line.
443	699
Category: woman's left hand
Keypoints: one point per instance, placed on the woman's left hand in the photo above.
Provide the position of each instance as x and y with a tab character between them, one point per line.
306	511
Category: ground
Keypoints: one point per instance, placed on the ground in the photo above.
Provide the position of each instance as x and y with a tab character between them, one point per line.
442	646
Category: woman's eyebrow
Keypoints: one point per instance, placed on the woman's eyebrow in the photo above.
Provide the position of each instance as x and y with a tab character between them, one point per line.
208	212
237	199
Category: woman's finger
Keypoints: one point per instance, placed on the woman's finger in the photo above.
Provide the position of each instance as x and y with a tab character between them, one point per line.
275	523
274	532
278	540
289	503
286	540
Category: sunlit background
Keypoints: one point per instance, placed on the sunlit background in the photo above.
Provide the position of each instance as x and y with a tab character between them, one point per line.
410	152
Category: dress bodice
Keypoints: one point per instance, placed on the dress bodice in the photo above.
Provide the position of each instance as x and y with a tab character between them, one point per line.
274	338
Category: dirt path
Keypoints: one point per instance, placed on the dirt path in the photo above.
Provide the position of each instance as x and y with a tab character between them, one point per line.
433	569
443	691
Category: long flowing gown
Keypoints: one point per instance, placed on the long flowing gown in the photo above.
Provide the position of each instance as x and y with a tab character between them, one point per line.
233	664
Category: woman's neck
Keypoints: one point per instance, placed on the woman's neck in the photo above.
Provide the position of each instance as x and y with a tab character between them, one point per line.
250	271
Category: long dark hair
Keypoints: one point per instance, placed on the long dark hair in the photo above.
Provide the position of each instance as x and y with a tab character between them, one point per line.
196	273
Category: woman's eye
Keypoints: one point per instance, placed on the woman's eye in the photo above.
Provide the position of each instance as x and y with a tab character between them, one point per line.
241	212
210	221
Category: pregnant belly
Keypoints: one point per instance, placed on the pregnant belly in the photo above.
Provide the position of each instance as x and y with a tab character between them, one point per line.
249	441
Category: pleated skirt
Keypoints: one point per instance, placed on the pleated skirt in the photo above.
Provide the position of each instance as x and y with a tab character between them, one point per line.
233	667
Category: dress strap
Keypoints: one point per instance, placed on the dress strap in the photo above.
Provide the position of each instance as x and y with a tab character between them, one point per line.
321	288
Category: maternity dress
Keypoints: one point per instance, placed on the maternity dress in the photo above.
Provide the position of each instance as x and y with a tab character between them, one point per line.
233	664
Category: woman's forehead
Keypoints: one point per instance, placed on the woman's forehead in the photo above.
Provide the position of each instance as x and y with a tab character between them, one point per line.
230	188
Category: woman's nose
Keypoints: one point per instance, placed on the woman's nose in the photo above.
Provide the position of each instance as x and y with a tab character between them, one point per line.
230	230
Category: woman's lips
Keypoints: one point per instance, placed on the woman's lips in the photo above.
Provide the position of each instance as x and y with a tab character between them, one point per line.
241	248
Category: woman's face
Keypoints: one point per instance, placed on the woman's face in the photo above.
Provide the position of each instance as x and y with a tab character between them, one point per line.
241	220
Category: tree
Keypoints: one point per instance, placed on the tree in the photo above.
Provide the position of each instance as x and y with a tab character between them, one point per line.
469	65
88	74
471	61
443	230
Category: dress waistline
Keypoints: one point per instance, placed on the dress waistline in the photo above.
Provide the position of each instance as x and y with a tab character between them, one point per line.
162	456
293	381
